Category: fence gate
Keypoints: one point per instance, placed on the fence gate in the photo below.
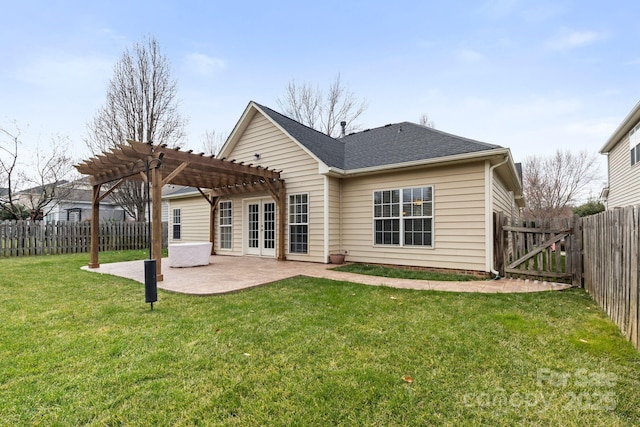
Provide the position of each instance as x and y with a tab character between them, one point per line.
539	249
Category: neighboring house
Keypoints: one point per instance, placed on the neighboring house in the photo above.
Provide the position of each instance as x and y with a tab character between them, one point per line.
623	163
73	204
400	194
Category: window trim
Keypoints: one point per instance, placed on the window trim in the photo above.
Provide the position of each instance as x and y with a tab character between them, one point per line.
401	218
175	224
222	226
634	144
291	223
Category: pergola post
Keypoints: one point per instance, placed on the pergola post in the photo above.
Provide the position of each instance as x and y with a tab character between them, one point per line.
213	204
282	218
156	223
95	226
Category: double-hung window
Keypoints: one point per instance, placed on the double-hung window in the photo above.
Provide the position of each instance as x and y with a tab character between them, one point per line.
299	223
634	144
226	225
176	224
386	213
403	217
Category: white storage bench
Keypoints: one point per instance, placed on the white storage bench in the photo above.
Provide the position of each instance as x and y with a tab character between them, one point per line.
189	254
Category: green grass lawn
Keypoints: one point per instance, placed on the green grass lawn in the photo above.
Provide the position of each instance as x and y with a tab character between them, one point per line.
79	348
403	273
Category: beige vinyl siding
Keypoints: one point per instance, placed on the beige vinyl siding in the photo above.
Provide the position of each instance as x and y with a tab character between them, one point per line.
624	179
299	170
502	197
504	202
194	219
459	218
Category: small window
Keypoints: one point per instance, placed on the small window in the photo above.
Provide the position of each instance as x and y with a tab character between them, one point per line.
176	224
226	225
299	223
634	144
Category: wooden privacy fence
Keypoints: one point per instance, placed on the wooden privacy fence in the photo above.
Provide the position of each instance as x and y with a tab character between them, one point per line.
610	254
538	249
20	238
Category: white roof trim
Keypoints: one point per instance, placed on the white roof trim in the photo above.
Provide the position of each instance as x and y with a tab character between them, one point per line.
424	162
186	194
629	121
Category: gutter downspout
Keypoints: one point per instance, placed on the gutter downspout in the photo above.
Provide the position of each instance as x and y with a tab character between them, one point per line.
326	219
490	217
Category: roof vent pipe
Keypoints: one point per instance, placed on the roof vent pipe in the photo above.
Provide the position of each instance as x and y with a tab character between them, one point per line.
343	125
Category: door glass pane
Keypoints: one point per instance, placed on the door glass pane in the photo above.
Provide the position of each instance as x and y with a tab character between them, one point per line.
254	225
269	225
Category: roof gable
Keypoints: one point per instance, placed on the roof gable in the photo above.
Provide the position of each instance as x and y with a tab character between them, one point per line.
319	146
329	150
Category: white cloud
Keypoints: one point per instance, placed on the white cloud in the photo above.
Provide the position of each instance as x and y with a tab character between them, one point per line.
498	9
204	65
601	129
62	71
537	108
573	39
469	55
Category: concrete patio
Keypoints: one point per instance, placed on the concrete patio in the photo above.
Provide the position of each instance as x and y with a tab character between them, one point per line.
230	274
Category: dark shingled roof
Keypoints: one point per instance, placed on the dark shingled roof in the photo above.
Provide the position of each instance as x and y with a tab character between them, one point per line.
404	142
386	145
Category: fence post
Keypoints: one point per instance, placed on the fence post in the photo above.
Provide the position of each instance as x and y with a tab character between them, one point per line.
576	249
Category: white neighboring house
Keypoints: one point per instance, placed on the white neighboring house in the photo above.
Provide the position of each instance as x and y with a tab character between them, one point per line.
74	204
623	163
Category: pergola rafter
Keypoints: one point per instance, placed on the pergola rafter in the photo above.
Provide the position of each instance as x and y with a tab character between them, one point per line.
221	177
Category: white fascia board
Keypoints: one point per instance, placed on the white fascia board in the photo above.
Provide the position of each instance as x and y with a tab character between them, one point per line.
629	121
458	158
182	195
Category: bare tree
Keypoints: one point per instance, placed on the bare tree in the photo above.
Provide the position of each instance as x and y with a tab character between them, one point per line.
322	111
52	176
49	173
9	176
212	142
141	105
424	121
552	183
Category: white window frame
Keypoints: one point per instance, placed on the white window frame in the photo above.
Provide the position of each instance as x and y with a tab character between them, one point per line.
296	219
634	144
177	223
226	223
401	215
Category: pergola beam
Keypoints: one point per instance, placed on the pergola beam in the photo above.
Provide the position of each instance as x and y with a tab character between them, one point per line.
220	176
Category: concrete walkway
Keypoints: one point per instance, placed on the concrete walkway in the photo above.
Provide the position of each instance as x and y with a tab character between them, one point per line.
230	274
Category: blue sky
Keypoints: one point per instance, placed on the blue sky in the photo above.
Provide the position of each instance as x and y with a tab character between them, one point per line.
529	75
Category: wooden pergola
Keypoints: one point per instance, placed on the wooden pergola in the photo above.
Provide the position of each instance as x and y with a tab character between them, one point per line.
212	177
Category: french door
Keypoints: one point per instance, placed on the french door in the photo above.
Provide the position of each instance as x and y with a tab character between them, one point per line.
260	220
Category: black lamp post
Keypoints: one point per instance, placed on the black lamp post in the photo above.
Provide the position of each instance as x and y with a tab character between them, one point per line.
150	279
